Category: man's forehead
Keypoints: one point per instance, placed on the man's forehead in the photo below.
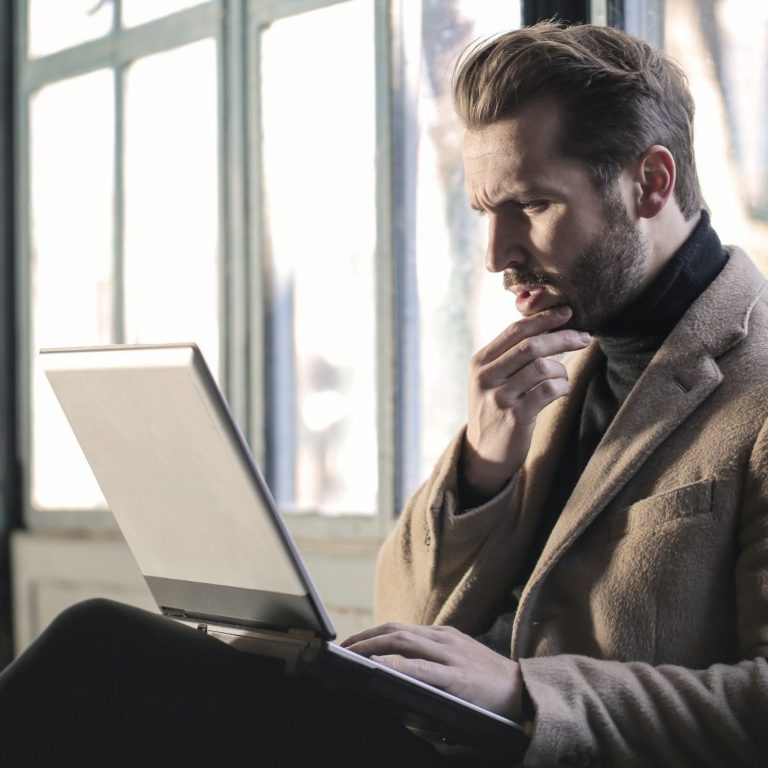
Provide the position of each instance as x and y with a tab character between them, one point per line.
502	156
530	136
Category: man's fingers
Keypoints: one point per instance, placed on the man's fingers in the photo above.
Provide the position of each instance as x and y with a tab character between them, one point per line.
540	396
540	323
528	351
413	650
379	629
438	633
401	643
414	641
430	672
539	371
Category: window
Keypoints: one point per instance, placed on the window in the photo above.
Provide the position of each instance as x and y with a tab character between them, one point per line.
280	182
723	47
319	180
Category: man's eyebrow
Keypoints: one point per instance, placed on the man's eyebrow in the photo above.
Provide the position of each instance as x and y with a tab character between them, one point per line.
524	196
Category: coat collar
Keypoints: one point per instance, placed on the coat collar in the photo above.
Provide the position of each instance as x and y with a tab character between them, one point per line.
682	374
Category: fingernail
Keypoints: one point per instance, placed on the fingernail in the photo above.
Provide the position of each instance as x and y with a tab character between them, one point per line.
584	337
563	310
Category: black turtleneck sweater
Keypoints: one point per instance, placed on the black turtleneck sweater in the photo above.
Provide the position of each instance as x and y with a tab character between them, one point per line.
628	346
636	335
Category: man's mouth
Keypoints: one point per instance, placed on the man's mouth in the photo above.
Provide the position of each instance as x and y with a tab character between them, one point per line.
525	291
529	298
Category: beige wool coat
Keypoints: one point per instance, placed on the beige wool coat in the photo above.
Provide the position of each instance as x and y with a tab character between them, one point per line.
642	632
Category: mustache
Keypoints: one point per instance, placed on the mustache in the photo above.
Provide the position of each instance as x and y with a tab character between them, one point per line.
512	277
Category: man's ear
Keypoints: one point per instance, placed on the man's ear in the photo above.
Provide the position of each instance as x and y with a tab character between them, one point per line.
655	178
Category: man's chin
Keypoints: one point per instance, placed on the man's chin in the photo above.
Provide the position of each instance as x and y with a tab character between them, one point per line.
576	322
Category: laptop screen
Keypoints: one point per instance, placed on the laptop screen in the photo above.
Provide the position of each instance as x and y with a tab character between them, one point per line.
182	484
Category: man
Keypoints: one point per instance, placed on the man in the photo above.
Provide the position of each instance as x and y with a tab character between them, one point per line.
602	522
590	555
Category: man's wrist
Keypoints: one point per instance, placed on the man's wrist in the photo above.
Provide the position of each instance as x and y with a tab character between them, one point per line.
473	491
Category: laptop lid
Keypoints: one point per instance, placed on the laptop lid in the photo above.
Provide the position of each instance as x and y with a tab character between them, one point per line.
183	486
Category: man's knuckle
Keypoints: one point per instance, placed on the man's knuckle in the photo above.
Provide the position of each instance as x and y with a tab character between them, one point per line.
514	329
402	637
550	388
540	365
533	346
482	378
501	398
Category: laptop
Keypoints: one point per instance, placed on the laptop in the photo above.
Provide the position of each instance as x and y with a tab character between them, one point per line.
204	529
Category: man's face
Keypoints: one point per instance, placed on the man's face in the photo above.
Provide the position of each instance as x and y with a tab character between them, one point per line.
553	235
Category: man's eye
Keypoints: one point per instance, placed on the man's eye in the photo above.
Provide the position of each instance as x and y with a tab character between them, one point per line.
534	205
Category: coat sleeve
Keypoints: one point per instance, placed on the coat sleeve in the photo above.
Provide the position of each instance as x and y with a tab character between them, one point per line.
594	713
598	712
436	554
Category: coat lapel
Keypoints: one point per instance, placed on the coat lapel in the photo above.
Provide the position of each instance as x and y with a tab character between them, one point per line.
680	377
552	429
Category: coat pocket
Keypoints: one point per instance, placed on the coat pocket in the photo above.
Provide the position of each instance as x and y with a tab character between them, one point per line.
662	510
666	589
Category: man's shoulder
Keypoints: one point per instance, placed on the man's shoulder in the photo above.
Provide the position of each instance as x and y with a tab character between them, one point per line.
736	326
746	288
732	312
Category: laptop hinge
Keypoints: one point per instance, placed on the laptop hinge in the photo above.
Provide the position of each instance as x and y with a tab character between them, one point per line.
174	613
200	621
304	635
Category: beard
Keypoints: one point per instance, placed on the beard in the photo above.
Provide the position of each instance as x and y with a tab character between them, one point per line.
603	278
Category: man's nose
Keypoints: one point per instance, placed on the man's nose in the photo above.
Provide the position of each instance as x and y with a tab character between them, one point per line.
504	248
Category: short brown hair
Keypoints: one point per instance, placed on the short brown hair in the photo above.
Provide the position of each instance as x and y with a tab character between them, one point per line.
618	95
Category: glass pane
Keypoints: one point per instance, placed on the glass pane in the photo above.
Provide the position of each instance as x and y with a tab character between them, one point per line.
71	186
54	25
319	155
172	199
459	305
141	11
723	48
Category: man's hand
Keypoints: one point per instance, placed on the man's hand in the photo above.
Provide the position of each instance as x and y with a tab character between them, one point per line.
511	381
447	659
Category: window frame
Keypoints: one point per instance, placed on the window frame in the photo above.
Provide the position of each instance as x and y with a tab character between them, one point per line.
10	499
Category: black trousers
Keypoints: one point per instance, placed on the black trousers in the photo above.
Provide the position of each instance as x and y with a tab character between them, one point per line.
111	685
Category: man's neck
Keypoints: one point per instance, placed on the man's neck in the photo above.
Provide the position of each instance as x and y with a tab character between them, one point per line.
665	235
653	314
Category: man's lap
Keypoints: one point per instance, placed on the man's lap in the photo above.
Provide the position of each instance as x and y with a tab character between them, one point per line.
110	684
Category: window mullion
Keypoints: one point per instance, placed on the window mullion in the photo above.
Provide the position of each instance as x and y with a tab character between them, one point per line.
386	276
259	299
118	271
234	263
